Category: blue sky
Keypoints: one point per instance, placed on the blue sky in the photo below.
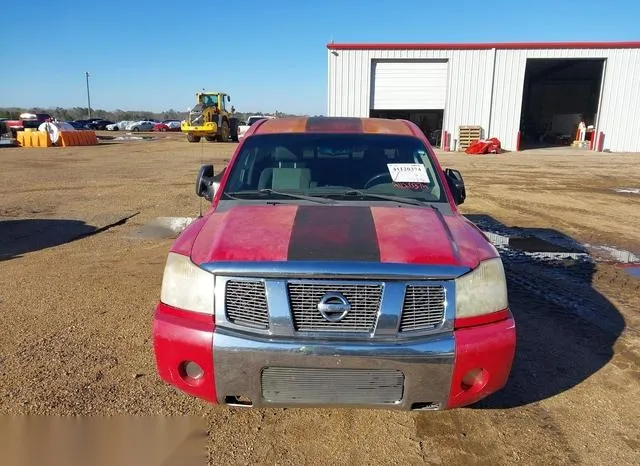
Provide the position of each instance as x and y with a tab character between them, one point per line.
269	55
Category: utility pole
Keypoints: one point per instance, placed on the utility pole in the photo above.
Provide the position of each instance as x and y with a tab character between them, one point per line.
88	95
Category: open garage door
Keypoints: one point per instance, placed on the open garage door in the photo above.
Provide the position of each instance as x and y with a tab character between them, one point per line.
558	93
409	85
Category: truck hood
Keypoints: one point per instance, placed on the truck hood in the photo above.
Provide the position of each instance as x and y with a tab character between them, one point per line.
338	233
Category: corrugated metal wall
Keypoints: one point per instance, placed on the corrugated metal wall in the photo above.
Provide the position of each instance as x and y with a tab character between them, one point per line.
469	94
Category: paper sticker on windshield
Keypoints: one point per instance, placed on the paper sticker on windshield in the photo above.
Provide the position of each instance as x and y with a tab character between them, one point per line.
408	172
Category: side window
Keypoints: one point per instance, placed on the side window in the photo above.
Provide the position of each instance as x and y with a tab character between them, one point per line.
243	175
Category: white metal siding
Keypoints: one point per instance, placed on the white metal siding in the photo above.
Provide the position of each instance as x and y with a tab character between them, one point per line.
475	98
409	85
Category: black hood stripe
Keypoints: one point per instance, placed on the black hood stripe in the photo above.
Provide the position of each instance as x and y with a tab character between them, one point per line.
332	233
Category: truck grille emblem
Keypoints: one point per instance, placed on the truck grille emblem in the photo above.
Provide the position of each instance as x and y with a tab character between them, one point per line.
334	306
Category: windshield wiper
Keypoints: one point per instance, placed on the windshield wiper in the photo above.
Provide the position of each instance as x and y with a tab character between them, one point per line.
358	193
319	200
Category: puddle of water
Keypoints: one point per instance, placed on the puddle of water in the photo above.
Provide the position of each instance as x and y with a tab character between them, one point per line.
164	227
533	244
132	137
628	190
558	255
634	271
546	245
128	138
619	255
496	239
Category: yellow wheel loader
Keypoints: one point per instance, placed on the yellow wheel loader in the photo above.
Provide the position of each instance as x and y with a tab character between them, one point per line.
210	119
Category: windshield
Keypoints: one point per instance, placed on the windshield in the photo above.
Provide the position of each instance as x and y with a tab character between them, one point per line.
209	100
338	166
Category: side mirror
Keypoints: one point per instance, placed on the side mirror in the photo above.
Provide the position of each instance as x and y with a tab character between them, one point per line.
233	109
456	185
228	98
205	186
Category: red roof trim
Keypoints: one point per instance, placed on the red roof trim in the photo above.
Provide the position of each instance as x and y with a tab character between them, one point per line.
484	46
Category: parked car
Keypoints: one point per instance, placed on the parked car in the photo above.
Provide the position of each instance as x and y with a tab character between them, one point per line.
333	268
99	125
77	125
119	126
143	125
80	124
34	120
167	125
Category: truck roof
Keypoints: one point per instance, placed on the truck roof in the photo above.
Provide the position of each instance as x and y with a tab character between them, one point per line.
334	125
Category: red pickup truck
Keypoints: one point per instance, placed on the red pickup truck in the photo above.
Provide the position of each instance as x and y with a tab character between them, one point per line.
334	269
27	121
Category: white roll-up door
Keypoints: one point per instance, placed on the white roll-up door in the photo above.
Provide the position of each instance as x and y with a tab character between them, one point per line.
409	85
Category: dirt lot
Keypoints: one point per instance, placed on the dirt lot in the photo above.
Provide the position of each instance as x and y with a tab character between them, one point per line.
76	315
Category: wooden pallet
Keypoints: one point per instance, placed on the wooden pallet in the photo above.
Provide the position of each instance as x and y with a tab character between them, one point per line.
467	135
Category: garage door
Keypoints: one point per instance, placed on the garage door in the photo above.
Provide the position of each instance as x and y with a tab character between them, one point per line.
409	85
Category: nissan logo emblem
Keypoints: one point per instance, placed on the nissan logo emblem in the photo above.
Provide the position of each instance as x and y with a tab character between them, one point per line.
334	306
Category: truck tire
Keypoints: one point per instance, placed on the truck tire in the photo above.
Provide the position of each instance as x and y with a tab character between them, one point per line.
192	138
210	138
233	129
223	135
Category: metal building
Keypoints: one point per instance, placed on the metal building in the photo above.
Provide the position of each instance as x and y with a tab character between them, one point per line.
524	94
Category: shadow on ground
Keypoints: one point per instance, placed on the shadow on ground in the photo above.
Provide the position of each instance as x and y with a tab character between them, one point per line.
565	328
18	237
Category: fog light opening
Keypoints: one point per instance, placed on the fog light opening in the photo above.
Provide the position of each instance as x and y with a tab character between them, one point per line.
426	406
190	371
475	380
238	400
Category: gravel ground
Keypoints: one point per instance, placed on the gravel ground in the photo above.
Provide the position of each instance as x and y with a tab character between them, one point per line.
78	287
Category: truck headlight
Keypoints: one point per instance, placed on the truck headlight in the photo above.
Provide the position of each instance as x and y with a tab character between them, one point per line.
482	291
187	286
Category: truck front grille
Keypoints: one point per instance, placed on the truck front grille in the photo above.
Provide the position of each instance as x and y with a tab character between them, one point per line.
363	298
334	386
423	308
246	303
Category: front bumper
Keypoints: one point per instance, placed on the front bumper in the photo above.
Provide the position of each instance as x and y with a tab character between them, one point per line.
425	365
313	373
200	130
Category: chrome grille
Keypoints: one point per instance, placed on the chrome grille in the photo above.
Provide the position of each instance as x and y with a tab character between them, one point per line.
246	303
364	300
423	308
335	386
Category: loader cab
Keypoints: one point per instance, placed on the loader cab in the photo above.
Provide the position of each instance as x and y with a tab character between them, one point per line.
208	100
214	101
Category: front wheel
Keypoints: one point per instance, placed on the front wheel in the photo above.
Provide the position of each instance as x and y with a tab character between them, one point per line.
210	138
223	136
192	138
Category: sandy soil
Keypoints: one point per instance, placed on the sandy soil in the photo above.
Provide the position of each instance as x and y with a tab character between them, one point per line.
75	326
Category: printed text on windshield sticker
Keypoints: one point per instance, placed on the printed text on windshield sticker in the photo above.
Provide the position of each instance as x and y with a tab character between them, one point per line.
408	172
